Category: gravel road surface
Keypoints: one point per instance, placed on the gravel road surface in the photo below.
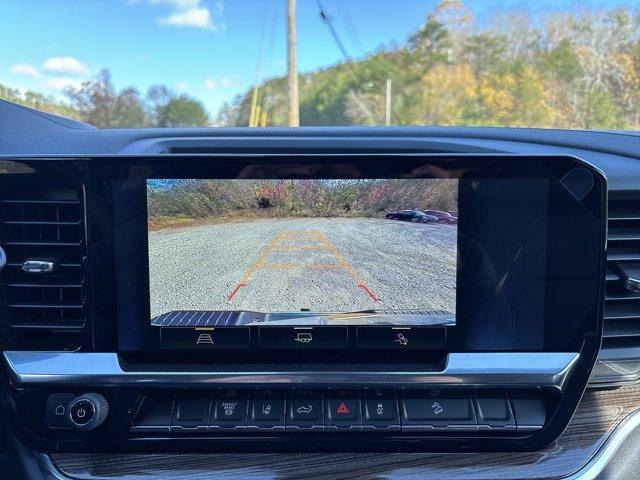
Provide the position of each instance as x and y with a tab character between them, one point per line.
320	264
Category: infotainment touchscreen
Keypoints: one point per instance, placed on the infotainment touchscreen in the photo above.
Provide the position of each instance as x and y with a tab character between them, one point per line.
234	257
302	252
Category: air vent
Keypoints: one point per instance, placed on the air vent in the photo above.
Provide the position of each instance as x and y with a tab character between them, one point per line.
43	293
619	359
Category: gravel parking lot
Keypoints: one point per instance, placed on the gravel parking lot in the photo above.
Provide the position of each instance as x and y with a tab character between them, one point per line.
320	264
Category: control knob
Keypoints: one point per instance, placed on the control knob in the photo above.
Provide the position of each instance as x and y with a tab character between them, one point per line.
88	411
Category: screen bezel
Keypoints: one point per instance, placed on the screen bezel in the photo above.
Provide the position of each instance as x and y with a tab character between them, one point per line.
139	336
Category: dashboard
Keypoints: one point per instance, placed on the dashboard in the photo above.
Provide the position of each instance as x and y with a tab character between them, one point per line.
413	302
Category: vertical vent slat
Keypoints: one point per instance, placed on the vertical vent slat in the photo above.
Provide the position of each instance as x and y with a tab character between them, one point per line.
42	310
622	302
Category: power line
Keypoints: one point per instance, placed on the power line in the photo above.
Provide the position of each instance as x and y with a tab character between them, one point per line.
328	21
345	16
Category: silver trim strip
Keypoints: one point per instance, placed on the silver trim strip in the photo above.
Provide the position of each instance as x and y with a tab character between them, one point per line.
468	369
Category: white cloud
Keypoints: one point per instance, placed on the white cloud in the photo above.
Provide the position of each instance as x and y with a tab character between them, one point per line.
191	14
177	4
24	69
65	66
59	84
182	86
210	83
193	17
222	82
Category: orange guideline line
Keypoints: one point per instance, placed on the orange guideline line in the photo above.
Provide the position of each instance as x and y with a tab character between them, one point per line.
256	265
293	266
346	266
292	235
282	235
289	248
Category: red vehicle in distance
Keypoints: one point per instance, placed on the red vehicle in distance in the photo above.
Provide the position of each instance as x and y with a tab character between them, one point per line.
443	217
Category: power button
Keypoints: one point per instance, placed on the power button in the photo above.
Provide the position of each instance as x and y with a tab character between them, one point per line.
82	412
88	411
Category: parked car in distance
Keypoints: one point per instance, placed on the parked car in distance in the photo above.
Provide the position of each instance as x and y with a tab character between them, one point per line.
443	217
415	216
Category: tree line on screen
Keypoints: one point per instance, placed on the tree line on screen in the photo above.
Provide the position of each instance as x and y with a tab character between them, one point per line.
549	69
170	201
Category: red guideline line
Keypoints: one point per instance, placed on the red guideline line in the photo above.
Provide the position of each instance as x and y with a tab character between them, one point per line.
368	292
235	290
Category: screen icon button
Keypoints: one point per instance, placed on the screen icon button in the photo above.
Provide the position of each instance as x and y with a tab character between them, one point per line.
401	338
303	338
219	338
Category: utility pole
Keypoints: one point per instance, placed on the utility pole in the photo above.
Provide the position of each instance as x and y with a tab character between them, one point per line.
387	104
292	72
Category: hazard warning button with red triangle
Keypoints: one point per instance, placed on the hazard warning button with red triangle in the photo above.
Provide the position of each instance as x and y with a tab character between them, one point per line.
343	408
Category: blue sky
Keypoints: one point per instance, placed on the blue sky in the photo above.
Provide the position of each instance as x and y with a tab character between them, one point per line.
206	48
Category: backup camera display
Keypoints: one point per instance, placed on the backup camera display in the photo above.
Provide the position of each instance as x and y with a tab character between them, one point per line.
302	252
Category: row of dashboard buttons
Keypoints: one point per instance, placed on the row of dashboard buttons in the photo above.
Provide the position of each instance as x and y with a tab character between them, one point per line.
325	337
341	410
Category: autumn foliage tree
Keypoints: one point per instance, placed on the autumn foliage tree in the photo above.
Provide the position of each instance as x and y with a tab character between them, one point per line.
550	69
99	103
555	70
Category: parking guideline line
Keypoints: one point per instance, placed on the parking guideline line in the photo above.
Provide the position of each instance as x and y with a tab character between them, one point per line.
301	235
252	269
343	262
293	266
286	248
256	265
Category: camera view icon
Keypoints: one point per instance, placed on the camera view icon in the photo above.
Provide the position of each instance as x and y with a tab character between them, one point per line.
303	337
204	339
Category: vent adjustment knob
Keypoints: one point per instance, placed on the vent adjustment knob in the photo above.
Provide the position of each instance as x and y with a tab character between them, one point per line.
88	411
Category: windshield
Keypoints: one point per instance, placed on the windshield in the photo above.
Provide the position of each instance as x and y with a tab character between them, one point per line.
266	63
